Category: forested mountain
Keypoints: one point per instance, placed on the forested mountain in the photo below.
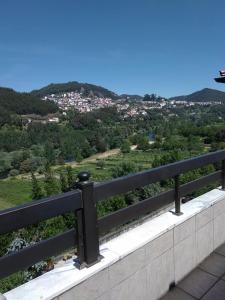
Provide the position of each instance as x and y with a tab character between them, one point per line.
85	88
12	102
204	95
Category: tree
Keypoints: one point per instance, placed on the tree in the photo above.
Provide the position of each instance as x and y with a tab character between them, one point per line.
17	158
49	153
63	182
124	168
61	160
14	172
78	156
70	179
153	97
143	144
51	187
25	166
146	97
4	167
100	144
36	189
167	158
125	147
110	205
100	164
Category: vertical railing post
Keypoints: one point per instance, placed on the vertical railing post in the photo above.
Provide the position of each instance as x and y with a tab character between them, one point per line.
223	175
177	195
80	262
88	248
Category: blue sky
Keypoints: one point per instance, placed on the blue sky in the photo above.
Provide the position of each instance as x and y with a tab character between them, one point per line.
168	47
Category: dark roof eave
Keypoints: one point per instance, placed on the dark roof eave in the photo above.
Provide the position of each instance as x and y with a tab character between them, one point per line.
220	79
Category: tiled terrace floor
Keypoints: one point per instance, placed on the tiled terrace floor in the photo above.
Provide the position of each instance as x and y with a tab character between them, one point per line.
206	282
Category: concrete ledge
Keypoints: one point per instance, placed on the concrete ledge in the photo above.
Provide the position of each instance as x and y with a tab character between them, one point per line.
142	262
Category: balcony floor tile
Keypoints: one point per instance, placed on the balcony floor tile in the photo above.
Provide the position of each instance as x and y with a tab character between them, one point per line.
177	294
214	264
197	283
206	282
217	292
221	250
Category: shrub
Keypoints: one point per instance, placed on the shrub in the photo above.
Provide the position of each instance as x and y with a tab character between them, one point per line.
100	164
125	147
12	281
124	168
14	172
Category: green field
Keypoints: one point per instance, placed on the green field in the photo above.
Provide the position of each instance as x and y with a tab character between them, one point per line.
140	158
18	191
14	192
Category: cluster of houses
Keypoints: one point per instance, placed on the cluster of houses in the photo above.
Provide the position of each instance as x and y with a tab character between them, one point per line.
75	100
128	108
175	103
33	118
69	100
139	108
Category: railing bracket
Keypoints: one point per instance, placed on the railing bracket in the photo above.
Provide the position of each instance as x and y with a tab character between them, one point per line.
176	214
81	266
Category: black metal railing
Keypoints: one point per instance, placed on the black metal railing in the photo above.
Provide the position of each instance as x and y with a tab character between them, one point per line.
83	202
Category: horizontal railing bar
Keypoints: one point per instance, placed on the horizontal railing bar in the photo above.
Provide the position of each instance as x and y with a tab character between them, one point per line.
127	183
29	256
141	208
194	185
39	210
134	211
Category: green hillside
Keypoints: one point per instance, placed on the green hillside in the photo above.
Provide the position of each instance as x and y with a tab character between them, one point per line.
204	95
12	102
85	88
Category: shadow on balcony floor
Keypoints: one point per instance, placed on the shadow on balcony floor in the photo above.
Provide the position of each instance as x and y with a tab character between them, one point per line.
206	282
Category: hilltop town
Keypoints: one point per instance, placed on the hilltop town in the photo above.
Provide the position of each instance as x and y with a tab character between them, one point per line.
129	108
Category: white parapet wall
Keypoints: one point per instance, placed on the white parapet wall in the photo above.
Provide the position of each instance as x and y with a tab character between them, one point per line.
141	263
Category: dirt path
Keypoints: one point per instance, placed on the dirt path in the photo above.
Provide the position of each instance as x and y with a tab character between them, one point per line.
95	157
92	158
133	147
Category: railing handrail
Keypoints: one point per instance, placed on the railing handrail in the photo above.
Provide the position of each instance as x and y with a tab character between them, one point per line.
127	183
38	210
154	203
83	202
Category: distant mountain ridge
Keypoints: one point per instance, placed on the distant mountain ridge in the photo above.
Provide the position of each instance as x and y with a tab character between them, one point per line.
205	95
90	90
86	89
